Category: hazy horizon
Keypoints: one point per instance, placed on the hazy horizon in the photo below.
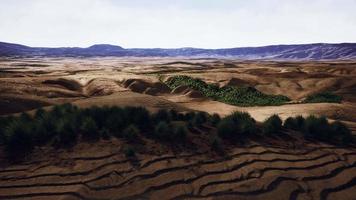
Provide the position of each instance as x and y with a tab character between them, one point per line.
167	24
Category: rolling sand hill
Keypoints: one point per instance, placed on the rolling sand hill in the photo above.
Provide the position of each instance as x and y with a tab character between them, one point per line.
275	170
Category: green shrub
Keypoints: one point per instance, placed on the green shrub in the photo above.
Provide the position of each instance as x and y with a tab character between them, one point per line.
89	129
18	139
241	96
131	133
272	125
323	97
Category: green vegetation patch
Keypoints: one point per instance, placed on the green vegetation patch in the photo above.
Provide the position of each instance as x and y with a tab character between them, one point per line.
240	96
323	97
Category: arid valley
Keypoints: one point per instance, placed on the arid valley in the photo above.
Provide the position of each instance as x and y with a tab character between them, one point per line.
280	166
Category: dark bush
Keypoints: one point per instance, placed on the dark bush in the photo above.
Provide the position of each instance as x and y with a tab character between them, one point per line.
66	133
316	127
89	129
272	125
173	114
238	125
129	152
115	123
216	144
162	115
189	116
131	133
18	139
163	131
199	119
341	132
141	117
39	113
227	129
296	123
215	119
327	97
180	133
105	134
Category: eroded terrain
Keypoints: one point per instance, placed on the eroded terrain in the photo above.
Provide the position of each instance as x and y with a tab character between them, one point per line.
293	169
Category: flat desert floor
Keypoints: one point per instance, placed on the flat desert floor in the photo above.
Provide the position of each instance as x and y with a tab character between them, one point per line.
276	170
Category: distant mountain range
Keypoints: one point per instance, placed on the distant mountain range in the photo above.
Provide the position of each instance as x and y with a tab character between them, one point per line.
318	51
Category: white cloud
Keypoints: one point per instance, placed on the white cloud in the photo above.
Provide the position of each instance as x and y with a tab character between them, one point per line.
162	23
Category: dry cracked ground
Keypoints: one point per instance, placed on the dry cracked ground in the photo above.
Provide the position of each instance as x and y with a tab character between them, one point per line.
277	170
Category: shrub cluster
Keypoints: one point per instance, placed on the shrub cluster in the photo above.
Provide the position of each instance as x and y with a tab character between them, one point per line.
238	125
319	128
241	96
64	124
272	125
323	97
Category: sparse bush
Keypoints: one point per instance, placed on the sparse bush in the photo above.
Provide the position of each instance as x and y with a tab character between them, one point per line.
89	129
131	133
272	125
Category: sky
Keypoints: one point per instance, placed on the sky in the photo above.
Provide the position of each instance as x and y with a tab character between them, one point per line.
178	23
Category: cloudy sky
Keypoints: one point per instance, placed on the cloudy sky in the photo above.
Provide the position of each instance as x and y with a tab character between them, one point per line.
178	23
